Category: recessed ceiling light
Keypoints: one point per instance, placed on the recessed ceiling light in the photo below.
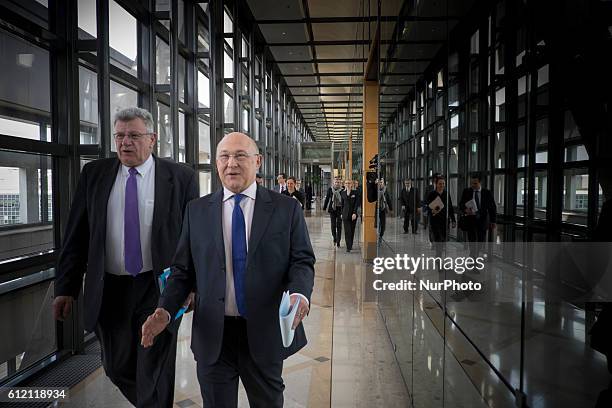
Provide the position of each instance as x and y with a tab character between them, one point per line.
284	33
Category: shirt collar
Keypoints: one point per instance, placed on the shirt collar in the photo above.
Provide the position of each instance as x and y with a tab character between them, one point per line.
478	189
251	192
142	169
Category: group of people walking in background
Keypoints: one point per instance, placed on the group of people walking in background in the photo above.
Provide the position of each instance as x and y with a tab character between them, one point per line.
342	202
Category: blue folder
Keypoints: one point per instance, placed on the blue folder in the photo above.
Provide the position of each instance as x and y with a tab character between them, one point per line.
163	281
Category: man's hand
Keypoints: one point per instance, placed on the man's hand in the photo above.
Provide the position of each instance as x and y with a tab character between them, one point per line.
155	324
303	309
62	306
189	302
469	211
354	217
454	224
403	207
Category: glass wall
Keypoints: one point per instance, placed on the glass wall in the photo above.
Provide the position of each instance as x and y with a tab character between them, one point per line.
483	106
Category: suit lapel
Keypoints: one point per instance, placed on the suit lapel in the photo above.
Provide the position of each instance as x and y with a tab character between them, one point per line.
101	202
163	196
216	208
261	217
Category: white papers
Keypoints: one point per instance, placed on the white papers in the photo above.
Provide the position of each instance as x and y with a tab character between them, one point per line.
286	315
436	204
472	206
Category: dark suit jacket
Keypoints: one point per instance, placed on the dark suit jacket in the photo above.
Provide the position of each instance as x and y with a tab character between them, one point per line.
410	199
280	258
329	200
350	204
85	238
487	211
297	194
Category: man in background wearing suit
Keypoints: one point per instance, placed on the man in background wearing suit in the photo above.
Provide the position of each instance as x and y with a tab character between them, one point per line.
240	248
350	206
282	182
123	229
409	198
480	217
333	205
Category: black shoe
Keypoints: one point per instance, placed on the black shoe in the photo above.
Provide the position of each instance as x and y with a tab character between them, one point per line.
348	250
338	244
405	232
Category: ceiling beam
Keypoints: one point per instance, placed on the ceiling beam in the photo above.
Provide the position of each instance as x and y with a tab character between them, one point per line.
357	19
351	42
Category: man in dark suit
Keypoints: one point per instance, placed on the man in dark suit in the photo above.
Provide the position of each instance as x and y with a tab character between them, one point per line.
333	205
411	204
123	229
282	183
240	248
478	206
350	206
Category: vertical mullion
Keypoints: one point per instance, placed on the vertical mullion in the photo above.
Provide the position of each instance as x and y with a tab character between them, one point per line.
174	76
103	55
216	80
191	88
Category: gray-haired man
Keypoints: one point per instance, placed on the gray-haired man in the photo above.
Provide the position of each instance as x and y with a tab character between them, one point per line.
123	228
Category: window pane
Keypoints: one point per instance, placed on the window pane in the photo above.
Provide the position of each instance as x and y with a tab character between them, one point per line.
203	90
164	131
228	67
162	58
228	101
25	129
521	194
181	137
500	150
499	190
181	78
576	153
205	183
25	72
540	194
123	38
575	196
88	106
87	19
228	25
204	142
120	97
25	198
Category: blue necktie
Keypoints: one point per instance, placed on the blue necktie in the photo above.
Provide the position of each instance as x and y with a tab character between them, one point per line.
239	254
131	226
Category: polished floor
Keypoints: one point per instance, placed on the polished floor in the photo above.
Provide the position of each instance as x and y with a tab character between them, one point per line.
397	349
349	361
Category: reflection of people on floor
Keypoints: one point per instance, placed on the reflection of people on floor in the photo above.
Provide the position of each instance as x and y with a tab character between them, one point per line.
350	206
441	208
383	205
409	198
478	207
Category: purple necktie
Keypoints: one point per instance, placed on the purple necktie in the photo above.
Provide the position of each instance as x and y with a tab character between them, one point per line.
131	226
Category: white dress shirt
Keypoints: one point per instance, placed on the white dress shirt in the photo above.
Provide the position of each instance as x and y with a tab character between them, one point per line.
248	206
145	185
474	197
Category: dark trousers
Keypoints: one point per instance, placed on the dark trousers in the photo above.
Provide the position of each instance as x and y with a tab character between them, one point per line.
410	216
145	376
439	234
476	236
349	232
219	382
381	217
336	225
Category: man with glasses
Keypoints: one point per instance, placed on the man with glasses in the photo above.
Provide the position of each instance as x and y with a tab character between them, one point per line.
123	228
240	249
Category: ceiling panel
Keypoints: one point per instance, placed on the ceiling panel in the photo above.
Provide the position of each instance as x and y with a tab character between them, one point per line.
330	80
306	80
276	9
342	51
288	33
301	69
337	8
291	53
340	67
304	91
306	98
338	31
416	50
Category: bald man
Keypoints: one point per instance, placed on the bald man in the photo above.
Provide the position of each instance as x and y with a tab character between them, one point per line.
240	248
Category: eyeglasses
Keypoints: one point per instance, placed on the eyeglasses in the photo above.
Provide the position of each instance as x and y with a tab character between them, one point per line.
133	136
239	157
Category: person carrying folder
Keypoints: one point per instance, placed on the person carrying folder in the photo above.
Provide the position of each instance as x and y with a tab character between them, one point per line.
240	249
441	210
478	207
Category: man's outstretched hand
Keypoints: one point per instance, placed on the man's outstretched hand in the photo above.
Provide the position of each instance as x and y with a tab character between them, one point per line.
155	324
